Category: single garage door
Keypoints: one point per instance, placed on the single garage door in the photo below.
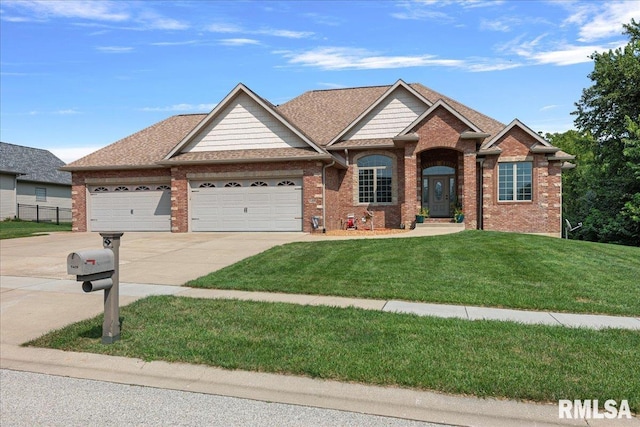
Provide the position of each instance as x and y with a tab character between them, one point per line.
130	208
247	205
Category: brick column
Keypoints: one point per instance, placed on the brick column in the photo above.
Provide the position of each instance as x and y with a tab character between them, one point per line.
408	199
469	202
179	201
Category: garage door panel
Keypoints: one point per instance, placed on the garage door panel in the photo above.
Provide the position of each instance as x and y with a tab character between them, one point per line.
131	211
247	208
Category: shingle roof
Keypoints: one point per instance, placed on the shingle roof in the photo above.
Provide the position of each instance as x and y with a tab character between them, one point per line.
32	164
319	114
323	114
142	149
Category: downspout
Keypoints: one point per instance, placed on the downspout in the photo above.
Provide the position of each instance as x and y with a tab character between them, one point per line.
324	203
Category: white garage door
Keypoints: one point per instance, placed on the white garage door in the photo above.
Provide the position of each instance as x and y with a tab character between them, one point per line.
247	205
130	208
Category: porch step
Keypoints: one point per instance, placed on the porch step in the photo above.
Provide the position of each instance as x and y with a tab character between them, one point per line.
441	224
438	220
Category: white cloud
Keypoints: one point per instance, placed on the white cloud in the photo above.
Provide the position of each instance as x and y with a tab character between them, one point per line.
103	11
153	21
608	21
284	33
67	112
182	43
232	28
224	28
84	9
428	9
341	58
238	42
503	25
115	49
564	54
182	108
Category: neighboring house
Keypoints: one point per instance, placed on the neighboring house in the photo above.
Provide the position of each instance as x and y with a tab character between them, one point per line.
30	176
249	165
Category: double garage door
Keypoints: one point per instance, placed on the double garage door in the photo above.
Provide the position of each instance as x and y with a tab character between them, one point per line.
130	208
215	205
246	205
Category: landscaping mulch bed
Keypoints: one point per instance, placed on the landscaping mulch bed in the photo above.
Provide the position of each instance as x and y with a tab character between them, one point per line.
365	232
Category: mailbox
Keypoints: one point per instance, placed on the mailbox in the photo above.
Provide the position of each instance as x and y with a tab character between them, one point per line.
98	270
98	263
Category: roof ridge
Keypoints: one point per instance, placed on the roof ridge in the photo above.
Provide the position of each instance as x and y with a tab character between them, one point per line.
346	88
445	98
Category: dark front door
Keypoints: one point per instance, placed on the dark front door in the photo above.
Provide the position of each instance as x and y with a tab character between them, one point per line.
439	196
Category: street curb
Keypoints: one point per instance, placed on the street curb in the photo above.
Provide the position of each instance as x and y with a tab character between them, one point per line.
374	400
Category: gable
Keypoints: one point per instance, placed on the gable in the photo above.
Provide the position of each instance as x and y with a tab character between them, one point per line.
392	115
440	124
244	125
515	142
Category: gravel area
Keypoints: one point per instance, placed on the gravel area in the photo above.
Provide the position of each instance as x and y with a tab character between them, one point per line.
29	399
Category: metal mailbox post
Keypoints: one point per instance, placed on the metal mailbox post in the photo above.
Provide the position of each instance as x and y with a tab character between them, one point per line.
99	270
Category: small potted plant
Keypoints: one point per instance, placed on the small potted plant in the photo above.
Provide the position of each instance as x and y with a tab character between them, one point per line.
424	213
458	214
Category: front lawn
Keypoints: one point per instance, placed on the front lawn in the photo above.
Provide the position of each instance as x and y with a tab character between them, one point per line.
481	358
472	268
15	228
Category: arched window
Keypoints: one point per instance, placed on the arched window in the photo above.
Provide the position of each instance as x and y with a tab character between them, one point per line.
232	184
286	183
101	190
142	188
207	185
375	174
163	187
122	188
259	184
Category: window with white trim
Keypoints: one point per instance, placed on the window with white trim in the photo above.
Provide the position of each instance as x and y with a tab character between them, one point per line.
374	179
515	181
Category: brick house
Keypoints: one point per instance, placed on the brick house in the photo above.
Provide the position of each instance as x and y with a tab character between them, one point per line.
308	164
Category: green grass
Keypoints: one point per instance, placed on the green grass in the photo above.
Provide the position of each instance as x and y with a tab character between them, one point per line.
481	358
14	229
472	267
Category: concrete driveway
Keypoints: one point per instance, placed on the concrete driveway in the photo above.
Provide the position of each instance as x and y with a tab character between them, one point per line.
155	258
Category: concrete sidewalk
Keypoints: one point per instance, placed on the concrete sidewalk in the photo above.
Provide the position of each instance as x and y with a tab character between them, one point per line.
132	291
31	307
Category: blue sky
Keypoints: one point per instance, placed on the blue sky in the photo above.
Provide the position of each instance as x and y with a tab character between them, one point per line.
79	75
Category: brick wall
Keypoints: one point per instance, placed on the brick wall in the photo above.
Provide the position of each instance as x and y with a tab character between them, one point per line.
540	215
342	192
